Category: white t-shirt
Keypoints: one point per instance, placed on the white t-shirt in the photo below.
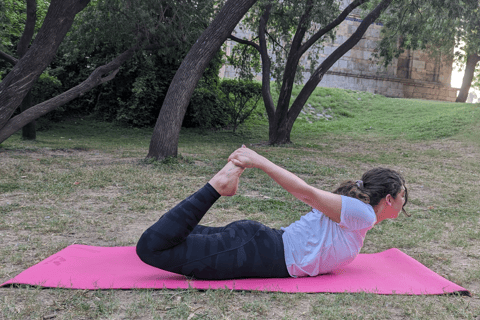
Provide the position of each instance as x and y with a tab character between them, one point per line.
315	244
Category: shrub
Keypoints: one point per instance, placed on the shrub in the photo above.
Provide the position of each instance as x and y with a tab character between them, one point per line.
241	98
206	110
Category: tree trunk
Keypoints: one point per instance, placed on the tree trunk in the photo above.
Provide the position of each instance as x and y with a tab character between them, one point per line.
96	77
316	77
29	130
29	29
266	64
278	133
472	61
164	142
20	80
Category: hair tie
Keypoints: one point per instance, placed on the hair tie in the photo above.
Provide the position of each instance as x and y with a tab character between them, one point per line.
359	184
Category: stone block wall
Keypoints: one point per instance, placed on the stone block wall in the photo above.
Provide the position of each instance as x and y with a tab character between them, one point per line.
413	75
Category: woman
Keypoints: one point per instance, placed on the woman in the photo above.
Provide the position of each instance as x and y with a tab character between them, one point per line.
328	237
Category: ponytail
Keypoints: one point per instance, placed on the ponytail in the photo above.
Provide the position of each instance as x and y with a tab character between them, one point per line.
352	189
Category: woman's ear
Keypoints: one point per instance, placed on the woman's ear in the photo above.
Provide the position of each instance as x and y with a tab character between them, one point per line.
389	199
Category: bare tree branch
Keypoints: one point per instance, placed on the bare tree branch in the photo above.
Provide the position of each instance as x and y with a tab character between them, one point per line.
8	58
266	64
243	41
29	30
317	76
99	76
331	25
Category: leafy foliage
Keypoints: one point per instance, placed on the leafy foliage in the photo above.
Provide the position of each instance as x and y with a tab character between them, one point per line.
207	108
46	87
133	97
241	98
12	21
165	31
246	60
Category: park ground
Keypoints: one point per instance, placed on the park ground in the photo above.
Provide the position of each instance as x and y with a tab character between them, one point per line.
86	182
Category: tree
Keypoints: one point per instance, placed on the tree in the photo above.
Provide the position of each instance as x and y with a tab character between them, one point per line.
290	29
164	142
18	82
139	25
15	14
436	26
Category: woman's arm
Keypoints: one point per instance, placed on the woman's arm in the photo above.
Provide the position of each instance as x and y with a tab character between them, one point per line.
328	203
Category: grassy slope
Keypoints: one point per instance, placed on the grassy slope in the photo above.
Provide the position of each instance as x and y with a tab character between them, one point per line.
84	182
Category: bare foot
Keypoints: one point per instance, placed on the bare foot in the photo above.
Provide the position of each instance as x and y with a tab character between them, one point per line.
226	180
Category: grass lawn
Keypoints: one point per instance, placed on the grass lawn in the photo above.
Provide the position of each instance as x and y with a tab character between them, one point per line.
86	182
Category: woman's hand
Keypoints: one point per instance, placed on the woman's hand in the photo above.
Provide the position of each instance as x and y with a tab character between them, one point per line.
246	158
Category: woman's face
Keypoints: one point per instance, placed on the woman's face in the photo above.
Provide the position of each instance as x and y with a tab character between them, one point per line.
398	202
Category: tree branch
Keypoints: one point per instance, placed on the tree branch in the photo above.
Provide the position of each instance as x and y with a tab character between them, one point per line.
331	25
29	30
243	41
275	41
266	64
8	58
317	76
291	67
99	76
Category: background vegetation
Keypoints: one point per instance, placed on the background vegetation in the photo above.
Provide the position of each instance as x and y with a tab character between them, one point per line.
85	181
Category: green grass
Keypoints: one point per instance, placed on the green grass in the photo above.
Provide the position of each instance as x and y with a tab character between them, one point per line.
87	182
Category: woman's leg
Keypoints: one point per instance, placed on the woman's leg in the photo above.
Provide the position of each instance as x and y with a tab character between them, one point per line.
241	249
175	226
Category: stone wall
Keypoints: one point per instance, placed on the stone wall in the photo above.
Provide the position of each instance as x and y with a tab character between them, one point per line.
413	75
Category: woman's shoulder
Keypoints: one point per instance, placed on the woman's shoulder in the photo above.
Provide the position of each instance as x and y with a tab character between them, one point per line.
357	213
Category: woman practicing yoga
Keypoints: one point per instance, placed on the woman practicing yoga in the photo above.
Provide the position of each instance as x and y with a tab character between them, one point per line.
328	237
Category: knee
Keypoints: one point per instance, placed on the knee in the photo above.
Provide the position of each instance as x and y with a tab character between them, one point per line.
143	251
147	250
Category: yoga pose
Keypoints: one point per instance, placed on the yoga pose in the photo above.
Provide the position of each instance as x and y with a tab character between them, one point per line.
328	237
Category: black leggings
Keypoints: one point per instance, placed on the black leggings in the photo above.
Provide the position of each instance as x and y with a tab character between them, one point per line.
242	249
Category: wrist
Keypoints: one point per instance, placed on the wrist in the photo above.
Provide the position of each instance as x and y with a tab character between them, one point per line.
263	163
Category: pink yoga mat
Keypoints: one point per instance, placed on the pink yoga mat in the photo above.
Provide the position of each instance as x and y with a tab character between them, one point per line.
87	267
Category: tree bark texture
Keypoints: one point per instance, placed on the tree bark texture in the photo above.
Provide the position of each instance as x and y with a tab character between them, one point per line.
28	131
29	29
282	134
8	58
21	78
472	61
279	125
164	142
100	75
